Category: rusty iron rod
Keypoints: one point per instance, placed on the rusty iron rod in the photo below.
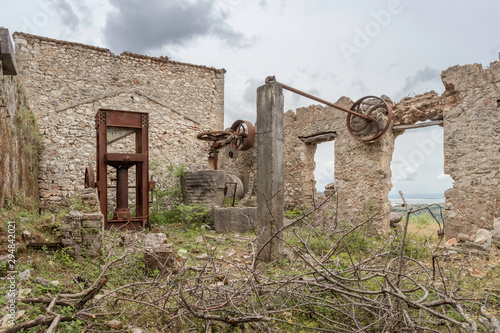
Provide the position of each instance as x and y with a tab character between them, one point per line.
226	189
317	99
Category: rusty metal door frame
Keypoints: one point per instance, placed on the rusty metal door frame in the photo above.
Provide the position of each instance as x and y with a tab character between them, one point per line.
138	121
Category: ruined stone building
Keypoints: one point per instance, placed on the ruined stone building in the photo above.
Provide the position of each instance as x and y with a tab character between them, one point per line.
468	110
65	83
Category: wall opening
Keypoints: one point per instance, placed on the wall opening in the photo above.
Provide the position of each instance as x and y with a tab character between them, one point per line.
418	167
324	171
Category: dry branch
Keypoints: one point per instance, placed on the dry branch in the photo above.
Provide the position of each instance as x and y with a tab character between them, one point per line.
385	290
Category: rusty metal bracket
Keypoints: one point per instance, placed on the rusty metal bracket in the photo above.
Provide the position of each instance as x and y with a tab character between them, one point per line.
241	136
367	119
151	187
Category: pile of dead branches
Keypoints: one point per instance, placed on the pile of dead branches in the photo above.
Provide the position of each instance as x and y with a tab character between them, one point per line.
322	284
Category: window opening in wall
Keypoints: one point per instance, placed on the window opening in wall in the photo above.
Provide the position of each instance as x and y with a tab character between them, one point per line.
418	167
324	172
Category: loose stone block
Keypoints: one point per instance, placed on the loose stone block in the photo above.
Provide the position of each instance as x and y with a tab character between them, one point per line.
234	219
204	187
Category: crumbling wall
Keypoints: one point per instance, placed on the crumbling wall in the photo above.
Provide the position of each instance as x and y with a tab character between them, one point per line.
20	142
66	83
362	170
470	110
472	148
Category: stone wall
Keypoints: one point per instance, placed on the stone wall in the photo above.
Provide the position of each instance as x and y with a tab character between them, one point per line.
66	83
469	111
19	139
472	148
362	171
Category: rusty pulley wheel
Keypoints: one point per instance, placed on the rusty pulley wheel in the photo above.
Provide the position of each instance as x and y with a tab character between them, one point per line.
378	114
245	135
89	177
214	135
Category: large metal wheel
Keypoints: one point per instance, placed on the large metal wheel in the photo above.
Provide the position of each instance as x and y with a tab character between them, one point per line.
245	135
379	115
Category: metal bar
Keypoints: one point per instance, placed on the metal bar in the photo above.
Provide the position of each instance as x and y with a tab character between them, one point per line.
122	188
130	186
317	99
235	186
216	158
234	194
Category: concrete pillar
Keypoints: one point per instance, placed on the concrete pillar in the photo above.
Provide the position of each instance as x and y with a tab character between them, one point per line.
270	169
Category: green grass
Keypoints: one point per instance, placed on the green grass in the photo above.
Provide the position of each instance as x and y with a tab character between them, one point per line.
190	216
185	223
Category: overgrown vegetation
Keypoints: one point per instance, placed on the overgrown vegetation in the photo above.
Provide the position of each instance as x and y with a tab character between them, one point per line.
333	279
167	207
189	216
168	185
21	143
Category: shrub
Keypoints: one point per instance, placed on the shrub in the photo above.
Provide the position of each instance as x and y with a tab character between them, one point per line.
190	216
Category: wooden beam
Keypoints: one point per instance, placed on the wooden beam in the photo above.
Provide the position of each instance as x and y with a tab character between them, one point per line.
418	125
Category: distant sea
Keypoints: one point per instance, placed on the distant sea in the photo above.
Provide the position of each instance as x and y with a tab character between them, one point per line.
417	198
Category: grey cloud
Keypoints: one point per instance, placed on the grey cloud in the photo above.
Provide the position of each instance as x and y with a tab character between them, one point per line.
426	74
85	11
150	24
66	13
359	84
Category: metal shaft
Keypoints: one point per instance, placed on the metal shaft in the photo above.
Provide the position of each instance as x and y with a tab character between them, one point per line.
122	188
317	99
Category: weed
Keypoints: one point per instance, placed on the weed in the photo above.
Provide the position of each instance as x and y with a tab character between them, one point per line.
168	187
190	216
228	202
77	204
296	212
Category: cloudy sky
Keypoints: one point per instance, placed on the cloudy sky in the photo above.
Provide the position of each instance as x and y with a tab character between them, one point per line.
330	48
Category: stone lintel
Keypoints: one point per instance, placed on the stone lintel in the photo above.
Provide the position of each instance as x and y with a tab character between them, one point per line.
318	138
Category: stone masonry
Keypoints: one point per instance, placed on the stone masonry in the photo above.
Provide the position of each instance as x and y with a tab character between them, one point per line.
66	83
472	148
20	146
82	228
